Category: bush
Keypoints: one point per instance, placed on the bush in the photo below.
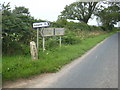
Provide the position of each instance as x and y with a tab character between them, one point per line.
12	48
52	42
77	25
93	28
70	38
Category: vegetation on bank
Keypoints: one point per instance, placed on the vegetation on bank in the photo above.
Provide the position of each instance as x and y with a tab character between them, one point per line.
51	60
17	32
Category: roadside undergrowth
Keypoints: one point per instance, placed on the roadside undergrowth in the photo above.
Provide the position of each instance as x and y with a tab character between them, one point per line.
51	60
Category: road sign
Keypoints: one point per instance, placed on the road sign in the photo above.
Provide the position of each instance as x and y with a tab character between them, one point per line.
47	32
52	31
41	24
59	31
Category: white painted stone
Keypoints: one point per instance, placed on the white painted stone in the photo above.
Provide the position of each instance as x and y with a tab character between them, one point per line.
33	50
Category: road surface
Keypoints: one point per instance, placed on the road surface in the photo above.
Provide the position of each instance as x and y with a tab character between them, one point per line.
98	68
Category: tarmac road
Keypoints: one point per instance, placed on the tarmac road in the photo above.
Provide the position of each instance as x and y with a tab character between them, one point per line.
98	68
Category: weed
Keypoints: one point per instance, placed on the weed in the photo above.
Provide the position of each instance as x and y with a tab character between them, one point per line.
49	61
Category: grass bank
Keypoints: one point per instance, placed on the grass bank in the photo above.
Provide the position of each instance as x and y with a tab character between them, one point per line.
50	61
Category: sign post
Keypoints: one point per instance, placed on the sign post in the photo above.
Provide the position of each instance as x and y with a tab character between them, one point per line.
43	44
40	25
60	41
38	39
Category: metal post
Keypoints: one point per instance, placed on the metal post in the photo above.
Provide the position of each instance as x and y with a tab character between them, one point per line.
43	44
38	40
60	41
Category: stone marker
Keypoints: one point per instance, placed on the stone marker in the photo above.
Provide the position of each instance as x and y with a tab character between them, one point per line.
33	50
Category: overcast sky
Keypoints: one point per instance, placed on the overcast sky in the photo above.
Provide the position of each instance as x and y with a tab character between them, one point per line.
44	9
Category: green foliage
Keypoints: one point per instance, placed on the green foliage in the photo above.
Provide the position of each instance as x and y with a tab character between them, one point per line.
70	38
81	11
50	61
74	33
51	42
94	28
61	22
82	26
16	30
110	16
21	10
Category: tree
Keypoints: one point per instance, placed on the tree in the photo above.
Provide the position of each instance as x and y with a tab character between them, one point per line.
16	30
61	22
6	9
21	10
110	15
81	11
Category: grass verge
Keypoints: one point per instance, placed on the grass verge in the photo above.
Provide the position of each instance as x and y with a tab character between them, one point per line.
50	61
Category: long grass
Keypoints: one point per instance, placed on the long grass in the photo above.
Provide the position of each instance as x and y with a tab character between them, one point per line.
15	67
